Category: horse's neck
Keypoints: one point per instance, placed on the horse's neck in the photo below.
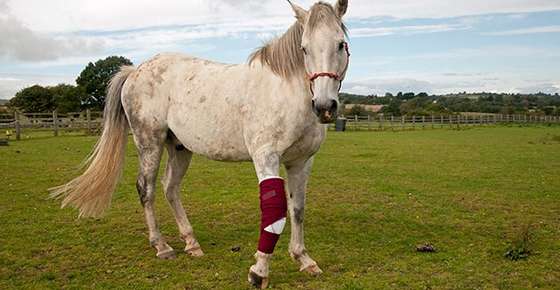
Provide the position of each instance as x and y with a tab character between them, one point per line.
297	95
291	96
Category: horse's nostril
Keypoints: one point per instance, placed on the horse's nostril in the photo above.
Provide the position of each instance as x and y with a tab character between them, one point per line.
334	106
313	103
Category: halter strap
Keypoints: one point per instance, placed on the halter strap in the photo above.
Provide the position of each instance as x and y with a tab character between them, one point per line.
312	77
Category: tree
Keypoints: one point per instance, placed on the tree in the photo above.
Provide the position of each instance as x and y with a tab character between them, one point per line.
35	99
413	106
393	107
357	110
67	98
95	78
408	96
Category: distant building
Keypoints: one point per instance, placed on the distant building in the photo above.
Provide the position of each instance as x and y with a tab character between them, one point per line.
367	108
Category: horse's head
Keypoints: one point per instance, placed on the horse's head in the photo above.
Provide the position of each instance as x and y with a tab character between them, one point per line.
326	54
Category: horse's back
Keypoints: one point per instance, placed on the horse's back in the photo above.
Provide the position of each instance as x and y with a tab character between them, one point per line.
199	100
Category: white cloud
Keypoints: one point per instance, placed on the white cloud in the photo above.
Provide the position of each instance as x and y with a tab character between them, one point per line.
446	8
165	36
10	84
547	88
58	33
128	14
494	51
412	29
446	82
380	86
530	30
21	43
8	79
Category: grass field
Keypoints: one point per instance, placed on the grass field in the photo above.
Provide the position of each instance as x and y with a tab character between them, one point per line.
372	198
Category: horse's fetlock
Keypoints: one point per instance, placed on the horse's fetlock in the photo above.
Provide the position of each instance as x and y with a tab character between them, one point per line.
298	252
155	242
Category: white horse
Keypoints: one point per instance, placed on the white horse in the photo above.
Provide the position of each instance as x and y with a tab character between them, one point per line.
270	111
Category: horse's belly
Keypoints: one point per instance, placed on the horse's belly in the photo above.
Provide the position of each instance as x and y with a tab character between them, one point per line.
216	138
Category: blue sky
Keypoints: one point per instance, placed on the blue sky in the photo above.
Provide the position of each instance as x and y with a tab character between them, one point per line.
432	46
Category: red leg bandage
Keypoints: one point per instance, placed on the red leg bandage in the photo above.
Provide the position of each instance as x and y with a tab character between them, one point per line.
273	213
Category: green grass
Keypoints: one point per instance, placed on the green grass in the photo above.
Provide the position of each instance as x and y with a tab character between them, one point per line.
372	198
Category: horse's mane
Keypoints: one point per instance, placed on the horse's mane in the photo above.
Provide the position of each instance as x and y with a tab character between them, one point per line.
283	55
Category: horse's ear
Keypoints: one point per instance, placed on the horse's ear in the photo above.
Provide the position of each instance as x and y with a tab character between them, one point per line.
301	14
341	7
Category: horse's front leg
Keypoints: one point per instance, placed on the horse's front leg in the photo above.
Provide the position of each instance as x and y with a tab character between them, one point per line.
273	206
298	174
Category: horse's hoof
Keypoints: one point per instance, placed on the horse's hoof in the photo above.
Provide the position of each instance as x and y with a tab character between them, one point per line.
313	270
258	281
195	252
167	255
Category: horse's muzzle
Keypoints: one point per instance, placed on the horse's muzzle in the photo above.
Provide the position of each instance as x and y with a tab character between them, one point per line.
326	111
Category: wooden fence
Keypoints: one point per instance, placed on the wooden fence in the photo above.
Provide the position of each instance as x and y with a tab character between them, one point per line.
394	123
91	122
15	124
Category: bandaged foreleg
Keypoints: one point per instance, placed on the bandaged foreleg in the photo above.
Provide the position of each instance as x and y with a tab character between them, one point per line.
273	213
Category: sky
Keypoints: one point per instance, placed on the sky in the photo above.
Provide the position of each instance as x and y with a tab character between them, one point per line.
434	46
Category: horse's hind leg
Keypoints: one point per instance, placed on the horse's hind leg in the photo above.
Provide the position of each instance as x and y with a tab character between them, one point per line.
177	165
150	147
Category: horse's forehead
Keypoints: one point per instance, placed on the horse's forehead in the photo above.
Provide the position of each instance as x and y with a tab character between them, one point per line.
323	32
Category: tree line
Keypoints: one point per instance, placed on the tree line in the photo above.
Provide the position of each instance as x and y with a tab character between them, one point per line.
423	104
88	93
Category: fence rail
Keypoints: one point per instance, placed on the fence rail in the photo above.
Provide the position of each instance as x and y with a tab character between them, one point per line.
91	122
393	123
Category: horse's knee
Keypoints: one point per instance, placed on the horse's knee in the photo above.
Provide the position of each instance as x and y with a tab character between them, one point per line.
142	188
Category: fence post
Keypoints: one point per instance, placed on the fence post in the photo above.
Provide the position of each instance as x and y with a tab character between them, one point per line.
402	122
355	122
381	122
369	122
55	123
414	122
392	123
88	122
17	125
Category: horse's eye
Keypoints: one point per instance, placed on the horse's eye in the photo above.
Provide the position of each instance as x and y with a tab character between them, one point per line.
304	50
342	46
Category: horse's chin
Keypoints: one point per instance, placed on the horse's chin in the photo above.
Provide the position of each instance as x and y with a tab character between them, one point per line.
326	119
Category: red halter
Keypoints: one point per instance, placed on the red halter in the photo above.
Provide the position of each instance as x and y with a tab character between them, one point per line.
332	75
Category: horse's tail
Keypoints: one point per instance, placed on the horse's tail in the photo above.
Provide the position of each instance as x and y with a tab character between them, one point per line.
91	192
